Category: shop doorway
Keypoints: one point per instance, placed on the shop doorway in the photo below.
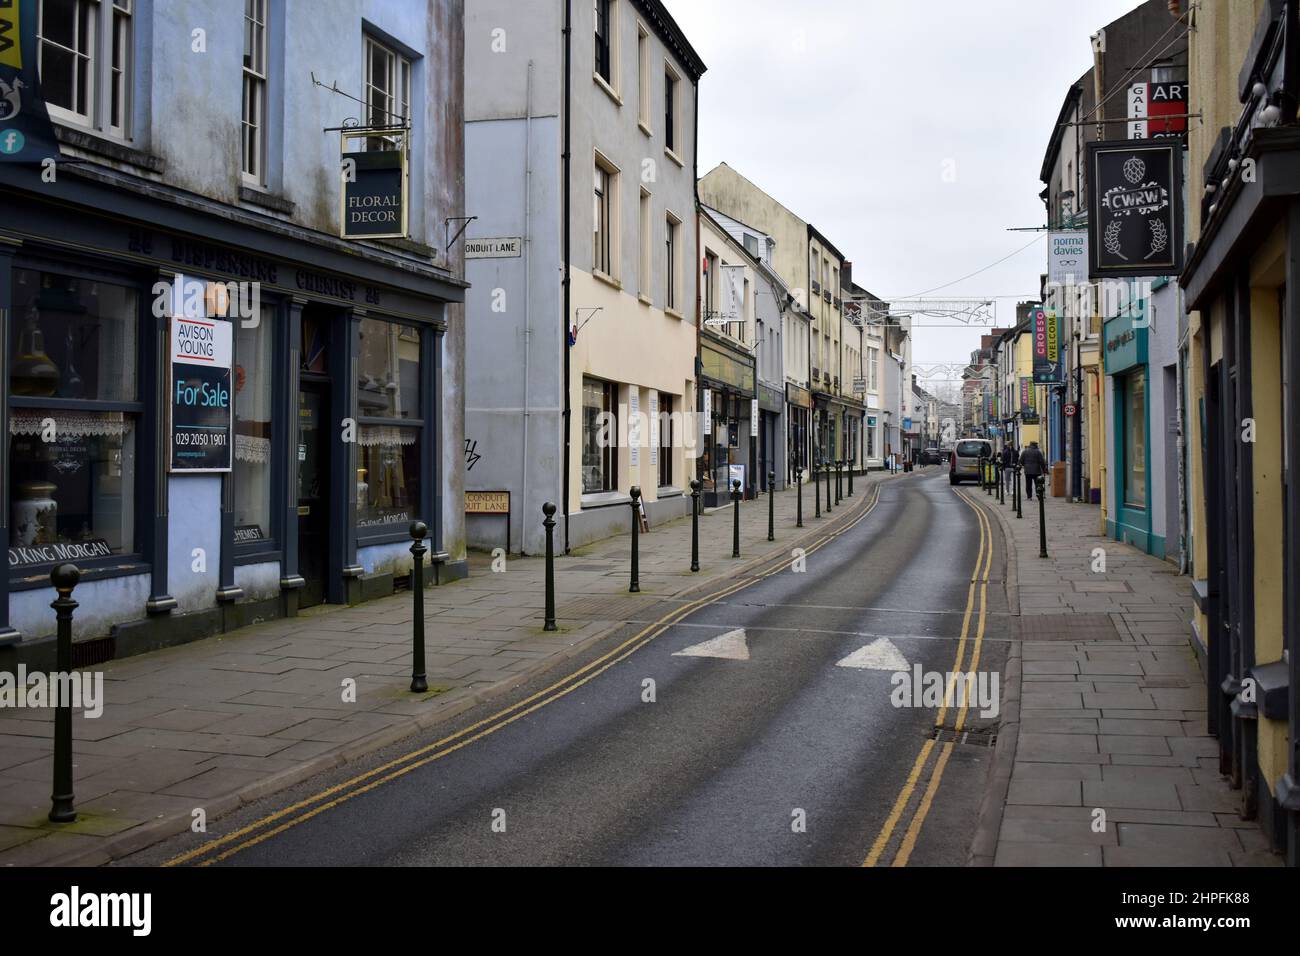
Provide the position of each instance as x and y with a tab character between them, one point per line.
313	488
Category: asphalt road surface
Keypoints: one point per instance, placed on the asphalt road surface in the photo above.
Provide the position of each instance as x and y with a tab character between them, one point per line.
741	734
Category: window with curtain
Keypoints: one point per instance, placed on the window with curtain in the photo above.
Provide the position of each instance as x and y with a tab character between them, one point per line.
390	430
72	464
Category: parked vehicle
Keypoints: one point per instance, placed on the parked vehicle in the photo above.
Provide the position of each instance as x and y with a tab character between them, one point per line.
968	458
931	455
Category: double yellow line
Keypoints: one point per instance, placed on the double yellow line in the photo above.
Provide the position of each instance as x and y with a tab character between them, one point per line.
979	584
222	848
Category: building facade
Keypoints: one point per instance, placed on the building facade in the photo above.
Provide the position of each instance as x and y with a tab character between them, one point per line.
580	143
333	402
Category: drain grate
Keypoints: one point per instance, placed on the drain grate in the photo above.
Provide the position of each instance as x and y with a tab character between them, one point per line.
90	653
970	738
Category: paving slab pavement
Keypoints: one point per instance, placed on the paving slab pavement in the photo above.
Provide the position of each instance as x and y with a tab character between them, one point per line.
1102	757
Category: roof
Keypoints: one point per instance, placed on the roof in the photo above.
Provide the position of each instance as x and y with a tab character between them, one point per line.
672	34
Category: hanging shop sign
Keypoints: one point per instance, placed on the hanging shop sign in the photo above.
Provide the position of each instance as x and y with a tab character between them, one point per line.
26	135
1150	106
1049	369
1135	223
374	196
201	405
1067	257
706	414
753	418
1028	408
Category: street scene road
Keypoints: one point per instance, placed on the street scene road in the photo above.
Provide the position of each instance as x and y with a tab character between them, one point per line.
758	729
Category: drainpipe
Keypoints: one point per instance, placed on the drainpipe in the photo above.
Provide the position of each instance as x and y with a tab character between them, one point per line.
564	318
528	328
697	365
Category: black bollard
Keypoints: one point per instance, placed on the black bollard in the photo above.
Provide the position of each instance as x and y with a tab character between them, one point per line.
828	487
548	523
850	478
735	519
817	490
1040	483
1002	484
64	578
771	506
419	681
798	482
635	586
1015	478
839	480
696	484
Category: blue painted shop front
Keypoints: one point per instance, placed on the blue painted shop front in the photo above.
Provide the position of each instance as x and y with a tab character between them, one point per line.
1125	359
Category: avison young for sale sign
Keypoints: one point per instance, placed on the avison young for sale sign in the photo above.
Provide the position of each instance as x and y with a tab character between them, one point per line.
201	399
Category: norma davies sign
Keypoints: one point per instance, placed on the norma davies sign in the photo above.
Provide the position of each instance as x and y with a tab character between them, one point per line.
1135	224
201	401
374	195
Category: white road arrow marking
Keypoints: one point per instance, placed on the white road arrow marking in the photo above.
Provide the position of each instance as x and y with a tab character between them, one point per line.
730	646
879	655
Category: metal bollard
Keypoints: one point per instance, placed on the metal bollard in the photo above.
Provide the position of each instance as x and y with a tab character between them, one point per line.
771	506
419	681
635	586
548	523
696	485
828	487
64	578
735	518
1002	485
1040	483
1015	478
798	482
850	478
817	490
839	480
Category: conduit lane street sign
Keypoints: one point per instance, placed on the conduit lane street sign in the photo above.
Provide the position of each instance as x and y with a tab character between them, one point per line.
1135	223
374	195
201	403
508	247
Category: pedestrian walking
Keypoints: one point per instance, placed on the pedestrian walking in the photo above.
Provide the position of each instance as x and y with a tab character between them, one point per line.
1033	463
1009	458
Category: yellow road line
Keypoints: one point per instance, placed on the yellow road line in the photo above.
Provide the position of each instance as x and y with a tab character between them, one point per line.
481	728
913	831
886	833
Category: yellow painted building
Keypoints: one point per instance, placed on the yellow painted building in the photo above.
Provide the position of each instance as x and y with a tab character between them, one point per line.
1243	341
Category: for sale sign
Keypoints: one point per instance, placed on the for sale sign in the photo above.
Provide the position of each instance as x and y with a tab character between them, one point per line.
1135	224
201	400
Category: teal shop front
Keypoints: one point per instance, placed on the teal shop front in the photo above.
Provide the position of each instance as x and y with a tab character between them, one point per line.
1125	358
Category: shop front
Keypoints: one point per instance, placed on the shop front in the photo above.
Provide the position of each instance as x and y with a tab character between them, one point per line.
726	386
1125	356
770	450
798	404
218	417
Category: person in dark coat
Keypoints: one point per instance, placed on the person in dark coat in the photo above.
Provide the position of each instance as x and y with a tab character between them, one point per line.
1034	464
1009	458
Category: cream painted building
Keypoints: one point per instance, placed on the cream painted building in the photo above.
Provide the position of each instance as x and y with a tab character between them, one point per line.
581	355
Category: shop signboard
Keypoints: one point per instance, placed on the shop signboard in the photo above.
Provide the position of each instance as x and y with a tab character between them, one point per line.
201	400
26	135
1135	223
374	195
1049	369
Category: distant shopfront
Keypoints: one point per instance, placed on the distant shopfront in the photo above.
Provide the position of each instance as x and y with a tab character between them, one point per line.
726	396
798	402
198	499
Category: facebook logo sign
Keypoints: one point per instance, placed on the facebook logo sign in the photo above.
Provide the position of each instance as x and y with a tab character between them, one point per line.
11	141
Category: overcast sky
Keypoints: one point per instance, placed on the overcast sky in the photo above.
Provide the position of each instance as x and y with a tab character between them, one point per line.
846	111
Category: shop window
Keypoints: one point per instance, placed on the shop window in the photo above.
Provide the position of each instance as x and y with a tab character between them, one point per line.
254	376
599	436
390	429
73	418
1135	459
665	440
85	62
